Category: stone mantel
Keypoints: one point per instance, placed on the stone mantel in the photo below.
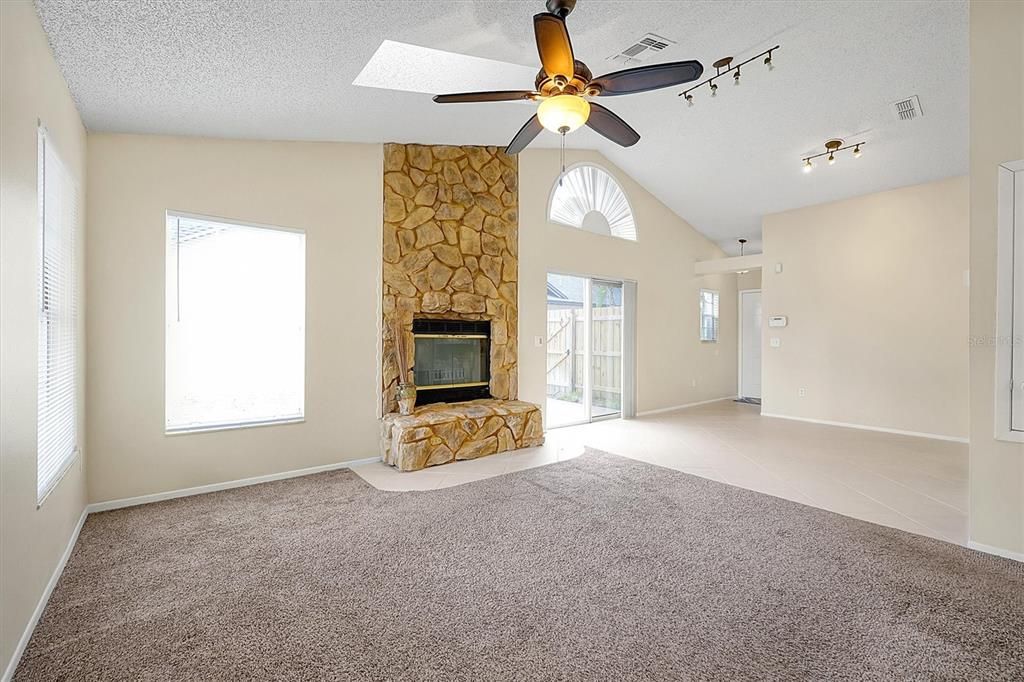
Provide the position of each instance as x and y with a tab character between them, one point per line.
445	432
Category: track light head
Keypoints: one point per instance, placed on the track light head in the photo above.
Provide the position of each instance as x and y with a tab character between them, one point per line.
768	62
831	159
808	166
689	100
857	152
714	89
736	77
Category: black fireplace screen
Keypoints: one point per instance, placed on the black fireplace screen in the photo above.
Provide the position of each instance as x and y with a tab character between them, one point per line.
452	360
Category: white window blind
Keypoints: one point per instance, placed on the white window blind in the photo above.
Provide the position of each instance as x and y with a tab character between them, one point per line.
708	315
589	198
57	428
235	312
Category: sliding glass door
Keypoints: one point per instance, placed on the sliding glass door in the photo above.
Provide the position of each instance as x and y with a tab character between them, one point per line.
584	350
605	349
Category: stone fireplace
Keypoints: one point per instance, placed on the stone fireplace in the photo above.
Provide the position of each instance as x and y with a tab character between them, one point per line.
451	245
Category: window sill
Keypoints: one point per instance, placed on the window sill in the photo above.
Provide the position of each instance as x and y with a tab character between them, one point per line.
1010	436
232	427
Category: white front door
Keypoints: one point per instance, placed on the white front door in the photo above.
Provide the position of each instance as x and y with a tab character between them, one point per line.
750	344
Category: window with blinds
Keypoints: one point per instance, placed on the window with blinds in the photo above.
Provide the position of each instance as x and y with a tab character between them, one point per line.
57	428
587	197
235	324
708	315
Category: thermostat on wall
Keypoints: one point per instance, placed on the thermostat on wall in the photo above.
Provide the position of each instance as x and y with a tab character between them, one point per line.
778	321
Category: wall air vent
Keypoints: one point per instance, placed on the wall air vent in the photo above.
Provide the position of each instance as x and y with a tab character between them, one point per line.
907	109
642	50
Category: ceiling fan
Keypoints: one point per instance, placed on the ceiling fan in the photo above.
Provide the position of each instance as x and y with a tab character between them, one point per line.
564	83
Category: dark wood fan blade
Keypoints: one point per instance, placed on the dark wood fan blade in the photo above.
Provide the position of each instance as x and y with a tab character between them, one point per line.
553	45
525	136
650	77
611	126
493	96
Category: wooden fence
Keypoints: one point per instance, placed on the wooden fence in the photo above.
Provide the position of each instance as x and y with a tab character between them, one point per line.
566	360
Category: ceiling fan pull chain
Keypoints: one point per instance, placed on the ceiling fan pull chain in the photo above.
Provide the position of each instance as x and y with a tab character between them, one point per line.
562	158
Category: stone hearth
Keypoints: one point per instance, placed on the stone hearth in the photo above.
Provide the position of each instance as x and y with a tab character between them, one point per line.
445	432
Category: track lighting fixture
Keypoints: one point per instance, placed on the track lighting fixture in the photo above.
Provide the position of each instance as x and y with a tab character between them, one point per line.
831	147
724	66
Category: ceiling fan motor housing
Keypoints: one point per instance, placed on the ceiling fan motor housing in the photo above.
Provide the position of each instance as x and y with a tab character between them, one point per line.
561	8
549	87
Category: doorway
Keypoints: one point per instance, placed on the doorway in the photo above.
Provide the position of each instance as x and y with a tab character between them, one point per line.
586	363
750	345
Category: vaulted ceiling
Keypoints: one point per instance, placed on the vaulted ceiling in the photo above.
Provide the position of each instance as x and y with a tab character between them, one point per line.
285	70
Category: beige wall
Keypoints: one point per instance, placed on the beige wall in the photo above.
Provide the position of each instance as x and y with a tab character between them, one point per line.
878	310
330	190
997	136
670	356
749	280
32	540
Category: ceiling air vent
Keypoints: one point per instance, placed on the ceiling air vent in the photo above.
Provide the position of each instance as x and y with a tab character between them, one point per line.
643	49
907	109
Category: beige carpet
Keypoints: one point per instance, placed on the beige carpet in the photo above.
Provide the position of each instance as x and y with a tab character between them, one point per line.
596	568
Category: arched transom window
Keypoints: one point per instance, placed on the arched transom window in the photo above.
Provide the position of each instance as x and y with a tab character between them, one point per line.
587	197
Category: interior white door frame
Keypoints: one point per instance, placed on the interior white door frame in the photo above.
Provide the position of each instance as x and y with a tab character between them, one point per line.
1010	174
739	336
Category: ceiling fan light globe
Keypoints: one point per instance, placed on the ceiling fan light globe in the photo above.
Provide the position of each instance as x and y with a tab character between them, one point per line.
563	113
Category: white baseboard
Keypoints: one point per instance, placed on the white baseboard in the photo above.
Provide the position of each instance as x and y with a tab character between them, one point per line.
43	599
225	485
998	551
683	407
863	427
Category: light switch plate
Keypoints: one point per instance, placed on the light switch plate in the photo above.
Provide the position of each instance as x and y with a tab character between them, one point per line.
538	341
776	342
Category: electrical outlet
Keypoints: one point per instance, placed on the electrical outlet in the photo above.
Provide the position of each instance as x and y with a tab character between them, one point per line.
802	392
776	342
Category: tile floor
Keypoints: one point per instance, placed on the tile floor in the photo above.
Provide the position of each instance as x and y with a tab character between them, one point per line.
915	484
563	412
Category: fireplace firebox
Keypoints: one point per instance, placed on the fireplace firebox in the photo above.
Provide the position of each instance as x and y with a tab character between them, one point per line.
452	360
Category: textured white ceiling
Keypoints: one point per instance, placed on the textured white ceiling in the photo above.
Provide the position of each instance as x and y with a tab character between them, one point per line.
284	70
